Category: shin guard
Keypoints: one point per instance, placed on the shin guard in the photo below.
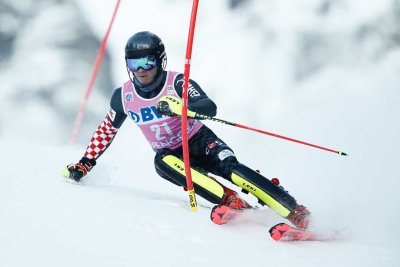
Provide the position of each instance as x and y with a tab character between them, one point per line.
172	167
268	193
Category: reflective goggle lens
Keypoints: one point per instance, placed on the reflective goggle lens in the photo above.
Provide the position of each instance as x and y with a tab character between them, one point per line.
146	63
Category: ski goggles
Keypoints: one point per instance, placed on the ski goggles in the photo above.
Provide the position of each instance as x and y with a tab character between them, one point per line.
146	63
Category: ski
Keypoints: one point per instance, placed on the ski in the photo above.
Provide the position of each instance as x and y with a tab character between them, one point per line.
221	214
285	232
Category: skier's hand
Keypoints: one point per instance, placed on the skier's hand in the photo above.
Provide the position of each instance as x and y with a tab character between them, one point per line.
172	106
78	170
164	106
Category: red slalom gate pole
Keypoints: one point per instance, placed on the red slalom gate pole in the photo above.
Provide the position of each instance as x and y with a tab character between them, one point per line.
100	55
185	145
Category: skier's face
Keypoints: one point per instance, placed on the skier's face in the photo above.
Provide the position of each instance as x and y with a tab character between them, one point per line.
145	77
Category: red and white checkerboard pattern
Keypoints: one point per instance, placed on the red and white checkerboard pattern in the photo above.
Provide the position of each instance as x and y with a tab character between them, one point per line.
101	139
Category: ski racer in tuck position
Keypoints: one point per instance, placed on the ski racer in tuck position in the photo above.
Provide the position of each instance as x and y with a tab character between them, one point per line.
147	98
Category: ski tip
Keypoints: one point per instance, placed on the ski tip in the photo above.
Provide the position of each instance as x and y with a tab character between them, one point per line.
284	232
278	231
217	214
221	214
341	153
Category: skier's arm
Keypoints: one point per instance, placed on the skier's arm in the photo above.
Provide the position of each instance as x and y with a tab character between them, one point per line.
100	140
107	130
198	101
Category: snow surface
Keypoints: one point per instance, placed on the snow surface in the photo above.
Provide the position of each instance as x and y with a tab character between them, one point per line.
123	214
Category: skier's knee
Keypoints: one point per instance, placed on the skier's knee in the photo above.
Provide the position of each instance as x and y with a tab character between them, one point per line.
224	162
164	170
227	165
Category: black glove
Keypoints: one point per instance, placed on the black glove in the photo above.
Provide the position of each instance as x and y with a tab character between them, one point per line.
163	109
172	106
80	169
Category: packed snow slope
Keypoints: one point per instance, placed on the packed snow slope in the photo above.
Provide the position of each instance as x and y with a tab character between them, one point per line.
126	215
323	72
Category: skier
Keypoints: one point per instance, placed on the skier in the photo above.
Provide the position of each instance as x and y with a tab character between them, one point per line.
148	99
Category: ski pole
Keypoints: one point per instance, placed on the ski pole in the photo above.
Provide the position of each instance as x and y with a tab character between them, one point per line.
185	145
201	116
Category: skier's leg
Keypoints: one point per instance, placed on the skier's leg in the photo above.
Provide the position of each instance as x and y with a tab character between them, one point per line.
261	187
270	194
222	161
170	166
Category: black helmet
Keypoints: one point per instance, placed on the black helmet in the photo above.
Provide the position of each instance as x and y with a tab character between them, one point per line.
146	43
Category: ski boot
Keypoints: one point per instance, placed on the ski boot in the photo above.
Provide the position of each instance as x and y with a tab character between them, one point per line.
234	201
300	217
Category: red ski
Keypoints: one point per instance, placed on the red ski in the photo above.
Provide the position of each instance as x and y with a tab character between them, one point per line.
285	232
222	214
